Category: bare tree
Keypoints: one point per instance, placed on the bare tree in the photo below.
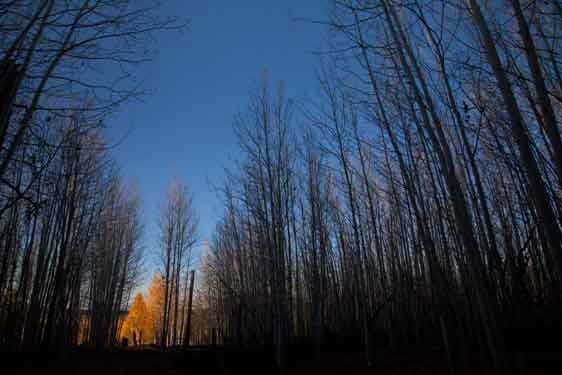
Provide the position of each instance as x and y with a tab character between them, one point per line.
423	205
70	238
178	227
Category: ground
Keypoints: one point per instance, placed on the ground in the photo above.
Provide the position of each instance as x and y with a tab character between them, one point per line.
208	361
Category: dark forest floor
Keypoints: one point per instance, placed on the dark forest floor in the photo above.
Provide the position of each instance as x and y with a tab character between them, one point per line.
205	361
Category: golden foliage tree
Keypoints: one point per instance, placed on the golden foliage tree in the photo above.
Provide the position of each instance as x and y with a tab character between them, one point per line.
137	327
155	305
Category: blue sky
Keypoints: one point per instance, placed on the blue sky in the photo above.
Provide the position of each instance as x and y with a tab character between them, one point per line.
201	80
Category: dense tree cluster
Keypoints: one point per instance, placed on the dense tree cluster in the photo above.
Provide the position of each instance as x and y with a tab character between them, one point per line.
69	226
416	201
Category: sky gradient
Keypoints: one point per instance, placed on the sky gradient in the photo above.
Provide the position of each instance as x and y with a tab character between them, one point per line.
201	79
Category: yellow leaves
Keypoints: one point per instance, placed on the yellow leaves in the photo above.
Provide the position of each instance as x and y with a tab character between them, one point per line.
156	296
156	302
137	326
143	320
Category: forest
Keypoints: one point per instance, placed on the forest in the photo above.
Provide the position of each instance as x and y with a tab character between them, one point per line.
407	218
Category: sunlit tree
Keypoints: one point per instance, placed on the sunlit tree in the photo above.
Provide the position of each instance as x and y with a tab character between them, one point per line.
155	306
137	327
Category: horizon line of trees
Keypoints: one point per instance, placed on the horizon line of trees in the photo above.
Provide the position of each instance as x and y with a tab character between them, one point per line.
417	200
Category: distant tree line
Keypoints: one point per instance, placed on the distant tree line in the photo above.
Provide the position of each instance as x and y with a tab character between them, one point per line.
69	226
415	201
165	319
